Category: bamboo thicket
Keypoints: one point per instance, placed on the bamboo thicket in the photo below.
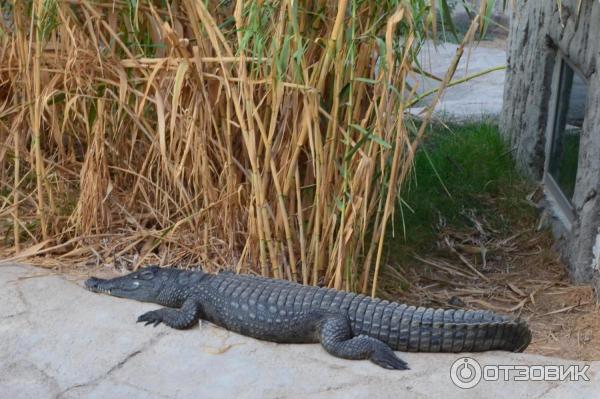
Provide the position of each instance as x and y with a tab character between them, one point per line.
260	135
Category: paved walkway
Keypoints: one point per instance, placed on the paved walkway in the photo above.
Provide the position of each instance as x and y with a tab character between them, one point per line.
58	340
478	98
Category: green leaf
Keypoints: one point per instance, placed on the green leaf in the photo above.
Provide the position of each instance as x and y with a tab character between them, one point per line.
373	137
340	204
379	140
344	93
360	129
447	18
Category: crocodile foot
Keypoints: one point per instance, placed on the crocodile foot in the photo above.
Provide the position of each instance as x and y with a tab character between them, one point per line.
385	357
151	317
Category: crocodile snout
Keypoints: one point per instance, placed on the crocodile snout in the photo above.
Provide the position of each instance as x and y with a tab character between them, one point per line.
96	285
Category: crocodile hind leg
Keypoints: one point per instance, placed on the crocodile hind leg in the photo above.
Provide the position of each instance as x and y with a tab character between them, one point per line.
182	318
336	337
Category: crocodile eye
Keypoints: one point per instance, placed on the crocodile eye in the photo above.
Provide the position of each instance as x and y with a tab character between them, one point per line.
146	275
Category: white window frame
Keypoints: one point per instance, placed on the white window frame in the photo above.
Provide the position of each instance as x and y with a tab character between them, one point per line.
561	205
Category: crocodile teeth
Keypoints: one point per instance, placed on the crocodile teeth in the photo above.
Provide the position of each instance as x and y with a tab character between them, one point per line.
99	290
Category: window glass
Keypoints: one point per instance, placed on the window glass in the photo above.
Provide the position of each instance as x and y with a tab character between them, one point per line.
564	155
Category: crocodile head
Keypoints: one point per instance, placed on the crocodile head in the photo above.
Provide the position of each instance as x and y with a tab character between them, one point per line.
150	284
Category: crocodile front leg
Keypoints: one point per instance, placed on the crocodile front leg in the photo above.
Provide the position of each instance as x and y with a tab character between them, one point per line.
336	337
182	318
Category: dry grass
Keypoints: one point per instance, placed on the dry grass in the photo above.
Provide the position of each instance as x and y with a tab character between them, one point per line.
512	271
265	136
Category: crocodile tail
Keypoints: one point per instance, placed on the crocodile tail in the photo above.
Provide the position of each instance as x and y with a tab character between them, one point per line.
495	332
477	331
522	336
422	329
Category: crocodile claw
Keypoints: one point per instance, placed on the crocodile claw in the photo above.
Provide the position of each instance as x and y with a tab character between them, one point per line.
388	360
151	317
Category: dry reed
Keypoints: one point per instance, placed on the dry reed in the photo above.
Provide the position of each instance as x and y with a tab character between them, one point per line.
269	136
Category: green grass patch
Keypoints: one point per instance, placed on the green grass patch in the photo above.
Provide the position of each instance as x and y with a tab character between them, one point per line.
458	170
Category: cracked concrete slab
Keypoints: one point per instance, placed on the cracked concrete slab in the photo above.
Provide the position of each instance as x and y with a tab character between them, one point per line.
474	99
57	340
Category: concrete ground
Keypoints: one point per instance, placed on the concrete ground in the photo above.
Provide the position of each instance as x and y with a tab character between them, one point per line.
474	99
58	340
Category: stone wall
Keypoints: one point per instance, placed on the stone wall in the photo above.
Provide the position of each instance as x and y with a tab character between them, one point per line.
537	35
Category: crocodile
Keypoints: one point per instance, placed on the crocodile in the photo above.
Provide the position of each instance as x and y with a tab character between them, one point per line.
348	325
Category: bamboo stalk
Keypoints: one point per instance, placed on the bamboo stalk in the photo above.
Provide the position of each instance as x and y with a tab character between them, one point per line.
36	119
